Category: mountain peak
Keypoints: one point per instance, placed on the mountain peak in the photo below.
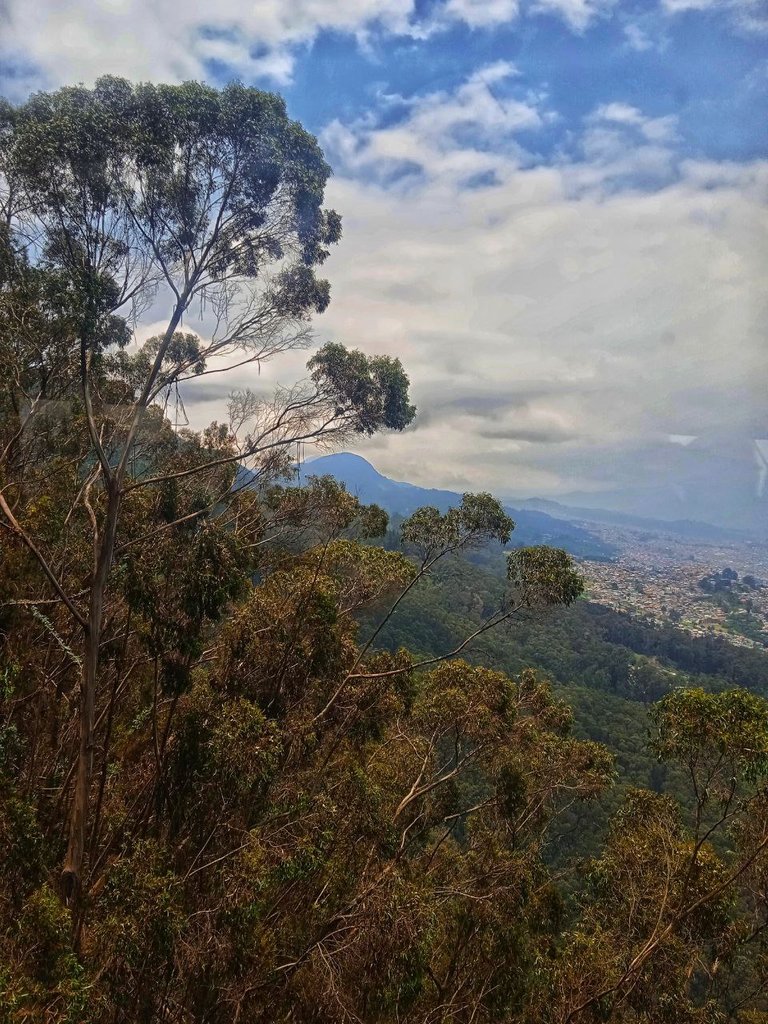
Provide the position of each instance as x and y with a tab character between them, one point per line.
400	498
344	466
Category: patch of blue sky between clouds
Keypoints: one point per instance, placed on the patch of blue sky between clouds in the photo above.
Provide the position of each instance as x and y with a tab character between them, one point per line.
558	200
714	82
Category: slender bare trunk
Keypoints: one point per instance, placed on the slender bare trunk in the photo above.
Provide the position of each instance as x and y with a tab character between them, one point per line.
71	873
72	869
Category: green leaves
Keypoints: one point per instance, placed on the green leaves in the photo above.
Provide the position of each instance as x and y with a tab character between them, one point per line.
298	291
185	183
369	392
478	520
725	732
541	576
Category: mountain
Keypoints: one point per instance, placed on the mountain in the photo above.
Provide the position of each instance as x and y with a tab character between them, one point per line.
691	529
371	487
399	498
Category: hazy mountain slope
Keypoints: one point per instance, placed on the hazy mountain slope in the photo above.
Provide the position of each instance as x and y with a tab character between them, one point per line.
400	498
687	528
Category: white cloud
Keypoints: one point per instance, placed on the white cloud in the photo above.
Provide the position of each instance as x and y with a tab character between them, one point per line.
662	129
47	42
622	146
654	129
482	13
446	137
559	321
674	6
749	15
637	38
55	43
162	39
621	113
577	13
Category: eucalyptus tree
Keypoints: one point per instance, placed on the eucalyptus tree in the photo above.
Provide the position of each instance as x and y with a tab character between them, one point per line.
124	202
672	925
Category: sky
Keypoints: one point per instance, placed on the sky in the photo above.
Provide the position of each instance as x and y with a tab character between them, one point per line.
555	213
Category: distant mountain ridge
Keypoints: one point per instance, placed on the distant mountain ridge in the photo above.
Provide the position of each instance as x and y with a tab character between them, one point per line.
397	497
690	528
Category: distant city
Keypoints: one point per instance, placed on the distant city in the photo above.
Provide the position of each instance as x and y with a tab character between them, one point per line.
703	587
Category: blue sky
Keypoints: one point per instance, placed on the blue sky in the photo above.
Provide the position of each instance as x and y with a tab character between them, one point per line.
555	212
705	61
696	65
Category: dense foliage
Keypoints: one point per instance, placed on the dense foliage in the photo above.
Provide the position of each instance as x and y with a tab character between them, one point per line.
221	799
608	665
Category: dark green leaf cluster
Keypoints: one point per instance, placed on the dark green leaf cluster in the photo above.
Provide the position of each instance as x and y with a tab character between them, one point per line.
371	391
543	576
478	520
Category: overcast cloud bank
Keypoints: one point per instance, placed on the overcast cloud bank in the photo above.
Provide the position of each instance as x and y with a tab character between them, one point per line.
566	293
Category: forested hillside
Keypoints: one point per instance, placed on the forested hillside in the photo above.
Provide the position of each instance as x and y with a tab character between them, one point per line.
223	800
607	665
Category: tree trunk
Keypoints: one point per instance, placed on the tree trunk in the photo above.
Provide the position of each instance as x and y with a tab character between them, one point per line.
72	869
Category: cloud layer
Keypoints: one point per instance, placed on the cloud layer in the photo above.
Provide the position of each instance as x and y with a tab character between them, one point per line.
556	318
47	43
165	40
564	290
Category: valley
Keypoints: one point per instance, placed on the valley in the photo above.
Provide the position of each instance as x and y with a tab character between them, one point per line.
650	569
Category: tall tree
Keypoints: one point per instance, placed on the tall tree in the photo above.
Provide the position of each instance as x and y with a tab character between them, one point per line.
121	199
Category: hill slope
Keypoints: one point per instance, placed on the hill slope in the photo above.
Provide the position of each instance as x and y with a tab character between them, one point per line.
687	528
399	498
